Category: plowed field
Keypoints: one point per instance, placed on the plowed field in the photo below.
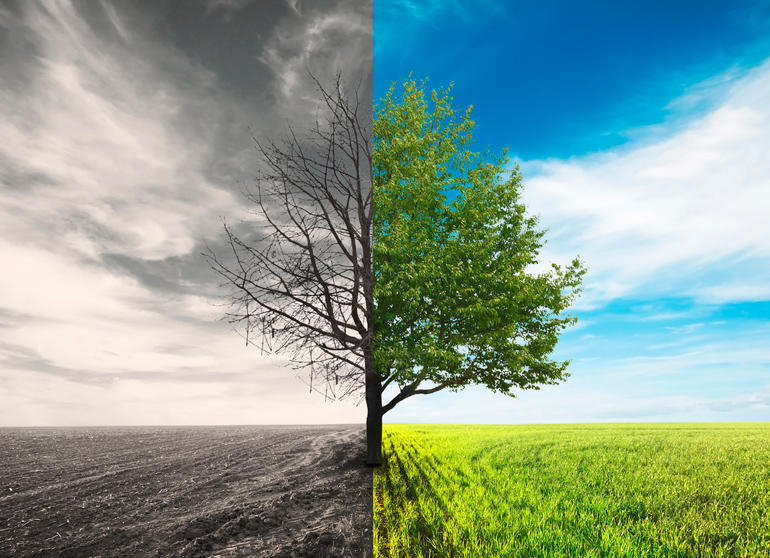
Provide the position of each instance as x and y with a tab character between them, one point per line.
185	491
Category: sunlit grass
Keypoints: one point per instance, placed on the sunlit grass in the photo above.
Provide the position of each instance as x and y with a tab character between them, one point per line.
630	490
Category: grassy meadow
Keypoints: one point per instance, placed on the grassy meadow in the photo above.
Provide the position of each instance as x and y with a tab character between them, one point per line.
615	490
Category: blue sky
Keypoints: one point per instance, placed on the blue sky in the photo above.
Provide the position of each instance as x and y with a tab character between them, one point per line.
642	133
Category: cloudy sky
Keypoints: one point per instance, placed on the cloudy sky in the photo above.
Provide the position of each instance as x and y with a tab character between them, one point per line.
643	132
126	140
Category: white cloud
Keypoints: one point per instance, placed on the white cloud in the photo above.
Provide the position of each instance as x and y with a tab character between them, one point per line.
105	152
747	290
312	43
665	215
99	134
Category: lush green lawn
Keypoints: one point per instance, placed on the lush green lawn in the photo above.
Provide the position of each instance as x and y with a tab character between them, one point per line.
611	490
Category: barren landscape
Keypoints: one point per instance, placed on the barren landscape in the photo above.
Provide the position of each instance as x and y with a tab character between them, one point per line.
185	491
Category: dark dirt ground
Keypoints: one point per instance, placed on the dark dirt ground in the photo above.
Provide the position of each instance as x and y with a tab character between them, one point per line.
185	491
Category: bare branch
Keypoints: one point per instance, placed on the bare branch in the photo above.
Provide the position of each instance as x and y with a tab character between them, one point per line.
300	275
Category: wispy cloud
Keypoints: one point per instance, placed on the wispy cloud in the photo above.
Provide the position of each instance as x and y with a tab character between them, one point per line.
670	214
311	42
103	140
399	22
120	155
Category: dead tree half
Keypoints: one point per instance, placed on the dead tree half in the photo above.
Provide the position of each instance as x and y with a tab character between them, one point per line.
301	275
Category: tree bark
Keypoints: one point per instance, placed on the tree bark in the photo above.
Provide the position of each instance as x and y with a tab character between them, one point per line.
373	425
373	411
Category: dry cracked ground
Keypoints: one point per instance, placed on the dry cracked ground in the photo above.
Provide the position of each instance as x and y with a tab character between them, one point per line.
185	491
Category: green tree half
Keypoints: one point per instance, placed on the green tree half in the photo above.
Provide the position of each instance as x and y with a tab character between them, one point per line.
458	297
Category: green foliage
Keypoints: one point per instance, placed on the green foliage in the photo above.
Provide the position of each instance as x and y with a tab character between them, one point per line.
631	490
456	299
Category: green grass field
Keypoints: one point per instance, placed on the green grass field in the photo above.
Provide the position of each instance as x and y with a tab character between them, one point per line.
616	490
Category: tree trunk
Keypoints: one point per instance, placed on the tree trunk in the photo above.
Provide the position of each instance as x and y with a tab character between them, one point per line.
373	421
374	436
373	411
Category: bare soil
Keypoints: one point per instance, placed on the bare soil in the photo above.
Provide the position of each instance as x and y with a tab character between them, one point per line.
185	491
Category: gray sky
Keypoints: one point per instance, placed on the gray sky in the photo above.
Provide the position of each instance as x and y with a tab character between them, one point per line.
125	131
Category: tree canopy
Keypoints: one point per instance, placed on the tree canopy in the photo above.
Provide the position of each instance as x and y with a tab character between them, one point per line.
460	297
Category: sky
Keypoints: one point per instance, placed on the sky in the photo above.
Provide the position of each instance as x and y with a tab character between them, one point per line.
642	132
126	140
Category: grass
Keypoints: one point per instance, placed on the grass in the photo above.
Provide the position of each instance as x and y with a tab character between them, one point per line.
615	490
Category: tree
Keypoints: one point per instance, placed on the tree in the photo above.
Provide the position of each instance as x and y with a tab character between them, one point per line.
301	276
457	301
387	253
